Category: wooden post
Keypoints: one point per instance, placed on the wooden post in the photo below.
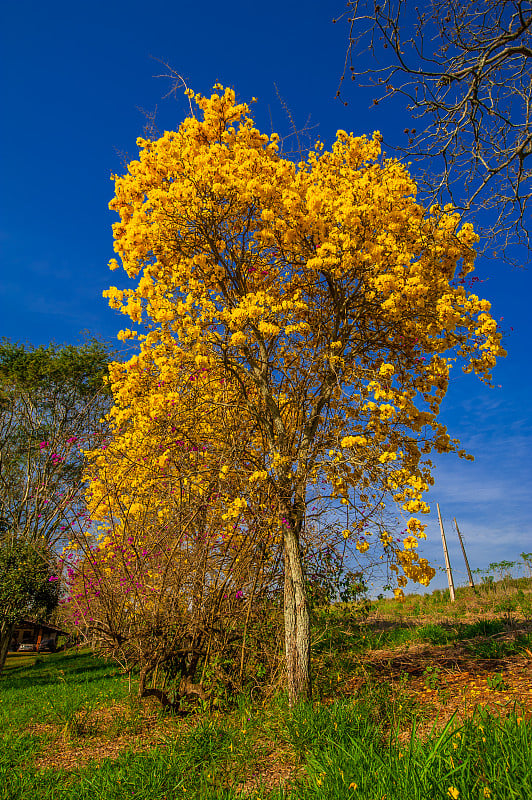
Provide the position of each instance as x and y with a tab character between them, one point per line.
471	583
446	554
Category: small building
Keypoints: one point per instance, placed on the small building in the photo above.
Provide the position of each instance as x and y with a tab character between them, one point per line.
30	632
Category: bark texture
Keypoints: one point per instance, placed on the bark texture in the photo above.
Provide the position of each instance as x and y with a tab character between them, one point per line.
6	632
297	624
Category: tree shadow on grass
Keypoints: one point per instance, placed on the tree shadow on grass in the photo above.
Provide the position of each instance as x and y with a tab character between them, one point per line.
73	667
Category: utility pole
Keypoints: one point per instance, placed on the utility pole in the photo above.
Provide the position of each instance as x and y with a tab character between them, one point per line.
446	554
471	583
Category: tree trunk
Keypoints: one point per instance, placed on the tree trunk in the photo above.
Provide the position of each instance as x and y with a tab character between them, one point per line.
297	623
6	632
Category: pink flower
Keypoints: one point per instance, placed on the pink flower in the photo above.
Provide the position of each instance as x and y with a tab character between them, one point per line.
43	445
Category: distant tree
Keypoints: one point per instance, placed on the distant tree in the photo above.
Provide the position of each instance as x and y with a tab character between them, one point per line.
28	585
527	562
465	71
52	401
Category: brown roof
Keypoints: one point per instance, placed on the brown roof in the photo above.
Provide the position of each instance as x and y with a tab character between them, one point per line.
45	625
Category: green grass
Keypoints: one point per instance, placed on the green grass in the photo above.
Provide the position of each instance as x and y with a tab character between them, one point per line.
334	634
342	747
337	746
382	739
49	688
193	765
512	596
203	760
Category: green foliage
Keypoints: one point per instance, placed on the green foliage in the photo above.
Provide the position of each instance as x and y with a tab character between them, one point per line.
508	605
511	596
204	758
435	634
25	586
527	562
503	568
73	710
431	674
497	682
484	627
493	649
39	370
330	581
45	391
61	679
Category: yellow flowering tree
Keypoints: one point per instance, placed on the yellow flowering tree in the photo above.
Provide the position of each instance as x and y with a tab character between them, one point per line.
316	303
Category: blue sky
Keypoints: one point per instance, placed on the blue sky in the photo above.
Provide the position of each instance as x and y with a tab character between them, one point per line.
75	76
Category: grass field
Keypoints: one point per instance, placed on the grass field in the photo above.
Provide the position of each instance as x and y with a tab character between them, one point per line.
416	702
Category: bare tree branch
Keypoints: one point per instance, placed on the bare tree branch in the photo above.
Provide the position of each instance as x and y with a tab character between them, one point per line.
464	69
